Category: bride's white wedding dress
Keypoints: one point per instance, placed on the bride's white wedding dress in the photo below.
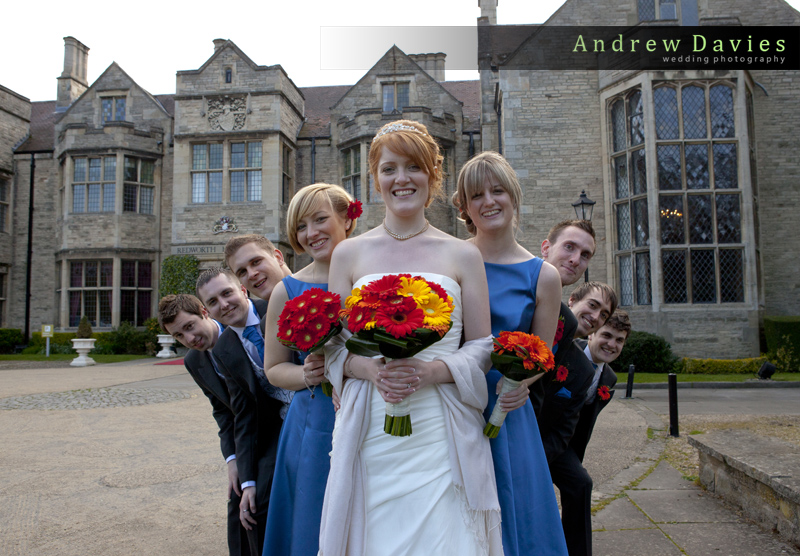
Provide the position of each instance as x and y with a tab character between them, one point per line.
412	504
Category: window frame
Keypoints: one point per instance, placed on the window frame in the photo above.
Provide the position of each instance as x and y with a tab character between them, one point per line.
140	188
5	203
351	171
137	289
734	274
395	108
117	101
83	290
234	182
86	183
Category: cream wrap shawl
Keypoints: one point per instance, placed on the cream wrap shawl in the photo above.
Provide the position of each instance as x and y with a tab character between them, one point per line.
342	530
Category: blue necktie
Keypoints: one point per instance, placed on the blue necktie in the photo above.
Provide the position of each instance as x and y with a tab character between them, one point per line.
251	333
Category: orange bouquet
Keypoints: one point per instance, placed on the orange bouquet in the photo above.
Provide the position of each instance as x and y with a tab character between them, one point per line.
517	356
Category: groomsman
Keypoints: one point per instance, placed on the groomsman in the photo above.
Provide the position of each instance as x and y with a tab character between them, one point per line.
185	318
257	405
257	264
590	304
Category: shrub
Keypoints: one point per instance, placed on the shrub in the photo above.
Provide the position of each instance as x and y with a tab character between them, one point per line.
783	342
9	339
722	366
84	328
179	275
649	352
61	339
127	339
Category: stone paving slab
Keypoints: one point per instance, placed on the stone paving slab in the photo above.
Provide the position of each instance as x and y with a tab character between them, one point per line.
621	514
681	506
730	539
642	542
665	477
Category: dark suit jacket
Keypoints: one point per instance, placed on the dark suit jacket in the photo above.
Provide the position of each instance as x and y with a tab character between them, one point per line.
563	401
258	421
199	365
590	411
538	388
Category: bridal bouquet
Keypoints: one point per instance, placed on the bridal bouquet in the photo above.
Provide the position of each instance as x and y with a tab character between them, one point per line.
397	316
517	356
308	321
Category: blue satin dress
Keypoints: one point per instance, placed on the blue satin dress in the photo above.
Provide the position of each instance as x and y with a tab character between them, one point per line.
531	524
301	466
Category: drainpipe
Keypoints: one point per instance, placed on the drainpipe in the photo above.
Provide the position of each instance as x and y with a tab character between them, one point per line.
471	150
498	95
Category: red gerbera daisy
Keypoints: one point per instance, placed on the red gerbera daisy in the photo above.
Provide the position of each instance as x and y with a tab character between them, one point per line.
383	287
604	393
397	303
354	210
401	323
359	317
561	373
305	339
285	332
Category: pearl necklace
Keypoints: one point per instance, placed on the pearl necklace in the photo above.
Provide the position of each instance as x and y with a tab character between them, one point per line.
398	237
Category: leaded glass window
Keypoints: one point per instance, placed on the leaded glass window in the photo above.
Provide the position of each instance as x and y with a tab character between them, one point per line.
699	199
351	171
136	295
113	109
241	166
93	184
395	96
138	194
697	190
654	10
629	171
89	293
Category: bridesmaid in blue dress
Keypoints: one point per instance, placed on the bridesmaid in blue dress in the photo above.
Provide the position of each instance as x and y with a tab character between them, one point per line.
317	220
525	295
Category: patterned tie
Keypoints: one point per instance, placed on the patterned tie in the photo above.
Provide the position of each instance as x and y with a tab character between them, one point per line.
251	333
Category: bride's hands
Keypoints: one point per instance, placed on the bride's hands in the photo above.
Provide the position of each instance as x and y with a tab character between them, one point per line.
403	377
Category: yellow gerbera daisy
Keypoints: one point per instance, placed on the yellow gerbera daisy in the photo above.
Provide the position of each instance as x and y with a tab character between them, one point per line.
436	310
419	289
353	298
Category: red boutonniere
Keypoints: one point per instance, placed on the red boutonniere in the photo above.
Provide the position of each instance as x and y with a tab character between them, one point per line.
604	393
561	373
354	210
559	330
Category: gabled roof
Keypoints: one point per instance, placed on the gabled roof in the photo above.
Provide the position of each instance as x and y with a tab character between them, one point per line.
43	121
319	101
218	51
393	52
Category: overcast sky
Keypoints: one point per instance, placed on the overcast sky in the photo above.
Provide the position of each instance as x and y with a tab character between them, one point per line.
152	40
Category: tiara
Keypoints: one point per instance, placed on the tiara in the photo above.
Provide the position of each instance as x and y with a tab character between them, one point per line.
398	127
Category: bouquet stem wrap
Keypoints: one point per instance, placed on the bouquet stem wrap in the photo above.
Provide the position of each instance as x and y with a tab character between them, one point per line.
398	417
498	416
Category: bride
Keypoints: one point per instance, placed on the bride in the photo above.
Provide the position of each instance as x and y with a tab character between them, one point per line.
432	492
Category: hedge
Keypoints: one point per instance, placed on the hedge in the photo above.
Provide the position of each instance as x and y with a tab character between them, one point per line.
9	339
783	342
178	275
722	366
649	352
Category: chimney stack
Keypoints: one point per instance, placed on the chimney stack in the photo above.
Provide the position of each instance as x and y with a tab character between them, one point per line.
433	64
72	82
218	43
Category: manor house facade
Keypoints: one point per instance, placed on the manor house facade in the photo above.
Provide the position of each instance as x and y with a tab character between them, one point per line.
694	173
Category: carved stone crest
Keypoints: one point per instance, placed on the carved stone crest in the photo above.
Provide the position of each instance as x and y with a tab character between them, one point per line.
227	113
225	224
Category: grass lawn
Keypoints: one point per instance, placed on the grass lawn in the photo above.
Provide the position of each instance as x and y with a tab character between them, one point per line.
71	356
642	378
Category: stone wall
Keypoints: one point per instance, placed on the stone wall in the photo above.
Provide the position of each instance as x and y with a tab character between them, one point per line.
44	282
15	120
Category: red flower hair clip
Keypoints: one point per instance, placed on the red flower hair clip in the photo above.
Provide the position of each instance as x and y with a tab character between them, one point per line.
604	393
354	210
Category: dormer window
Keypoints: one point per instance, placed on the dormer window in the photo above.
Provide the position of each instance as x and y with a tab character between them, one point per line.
395	97
113	109
228	75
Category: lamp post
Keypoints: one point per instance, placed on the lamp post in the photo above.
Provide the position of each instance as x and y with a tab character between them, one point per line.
583	211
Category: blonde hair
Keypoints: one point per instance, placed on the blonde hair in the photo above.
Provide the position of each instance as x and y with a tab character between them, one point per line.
308	200
475	173
417	145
